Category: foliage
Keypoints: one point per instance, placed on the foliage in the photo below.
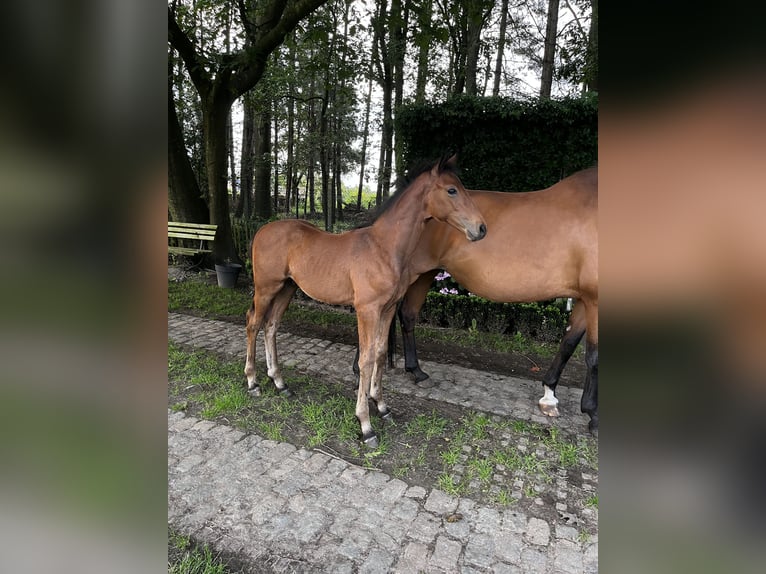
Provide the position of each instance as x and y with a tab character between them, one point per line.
503	144
538	321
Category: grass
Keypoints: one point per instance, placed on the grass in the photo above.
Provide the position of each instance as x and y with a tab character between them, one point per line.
448	484
461	455
211	301
185	557
504	498
477	425
207	300
428	426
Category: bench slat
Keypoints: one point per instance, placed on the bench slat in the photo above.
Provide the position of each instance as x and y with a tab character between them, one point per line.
187	250
197	231
192	235
194	225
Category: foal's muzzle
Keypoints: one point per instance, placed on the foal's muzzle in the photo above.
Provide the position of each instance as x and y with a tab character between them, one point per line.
476	235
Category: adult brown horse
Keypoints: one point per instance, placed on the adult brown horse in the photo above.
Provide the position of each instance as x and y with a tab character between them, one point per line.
542	245
368	268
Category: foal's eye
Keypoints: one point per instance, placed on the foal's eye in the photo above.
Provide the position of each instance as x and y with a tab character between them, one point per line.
452	191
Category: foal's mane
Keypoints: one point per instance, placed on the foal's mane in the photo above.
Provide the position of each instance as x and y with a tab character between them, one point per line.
404	182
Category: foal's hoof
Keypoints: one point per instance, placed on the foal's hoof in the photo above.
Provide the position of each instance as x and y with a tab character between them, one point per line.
255	391
287	393
387	417
593	427
371	442
548	409
418	374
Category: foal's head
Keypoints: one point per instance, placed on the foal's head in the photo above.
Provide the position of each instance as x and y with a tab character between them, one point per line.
447	200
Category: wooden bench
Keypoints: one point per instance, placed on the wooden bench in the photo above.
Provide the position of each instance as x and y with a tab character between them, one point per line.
202	232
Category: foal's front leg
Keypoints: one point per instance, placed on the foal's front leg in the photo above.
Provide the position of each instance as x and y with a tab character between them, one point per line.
381	347
367	324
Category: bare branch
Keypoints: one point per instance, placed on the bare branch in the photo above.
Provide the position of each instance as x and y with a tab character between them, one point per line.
195	63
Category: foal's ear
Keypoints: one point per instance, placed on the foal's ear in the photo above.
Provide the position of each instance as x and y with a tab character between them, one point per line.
447	162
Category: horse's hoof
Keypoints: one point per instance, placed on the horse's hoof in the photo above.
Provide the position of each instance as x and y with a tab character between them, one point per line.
549	409
418	374
371	442
255	391
387	417
287	393
593	427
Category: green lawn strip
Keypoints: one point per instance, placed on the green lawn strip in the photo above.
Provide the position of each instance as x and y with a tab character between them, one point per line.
471	457
186	557
320	415
211	301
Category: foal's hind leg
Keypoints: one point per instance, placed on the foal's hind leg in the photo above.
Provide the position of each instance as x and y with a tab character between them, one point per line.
254	324
278	307
574	332
256	318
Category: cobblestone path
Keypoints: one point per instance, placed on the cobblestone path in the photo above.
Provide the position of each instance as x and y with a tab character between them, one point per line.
288	509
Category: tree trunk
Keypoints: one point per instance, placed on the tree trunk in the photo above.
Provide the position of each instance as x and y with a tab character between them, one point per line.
550	49
290	189
382	58
245	201
184	196
324	160
214	126
262	180
400	16
365	135
424	41
276	159
500	49
230	148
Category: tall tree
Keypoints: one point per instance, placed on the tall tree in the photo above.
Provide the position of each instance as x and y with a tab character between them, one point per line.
262	178
385	76
245	202
184	196
365	135
500	48
477	15
551	30
423	39
221	78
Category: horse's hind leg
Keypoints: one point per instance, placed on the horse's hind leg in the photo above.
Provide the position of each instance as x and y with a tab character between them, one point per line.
574	332
589	401
278	307
408	315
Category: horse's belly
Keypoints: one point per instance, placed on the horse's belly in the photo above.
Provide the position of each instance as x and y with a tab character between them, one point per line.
326	288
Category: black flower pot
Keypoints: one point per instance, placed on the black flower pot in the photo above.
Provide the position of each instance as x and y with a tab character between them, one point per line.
227	274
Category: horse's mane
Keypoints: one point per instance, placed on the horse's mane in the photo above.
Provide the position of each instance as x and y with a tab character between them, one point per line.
403	182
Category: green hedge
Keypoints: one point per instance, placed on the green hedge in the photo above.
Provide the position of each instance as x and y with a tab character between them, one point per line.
503	144
541	322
